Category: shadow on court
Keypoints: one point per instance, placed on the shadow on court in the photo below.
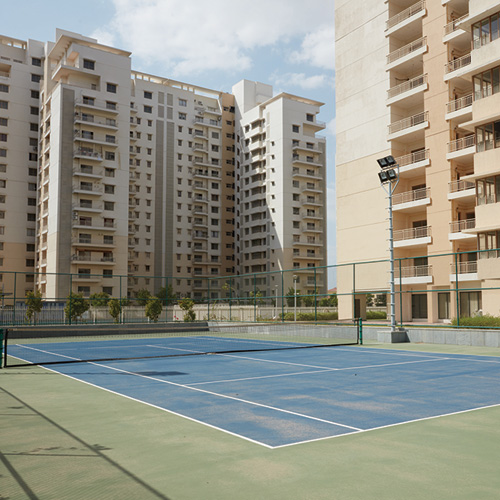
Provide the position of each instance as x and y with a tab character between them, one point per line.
41	459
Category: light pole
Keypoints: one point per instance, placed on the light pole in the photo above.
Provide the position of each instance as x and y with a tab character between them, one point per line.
389	179
295	297
276	301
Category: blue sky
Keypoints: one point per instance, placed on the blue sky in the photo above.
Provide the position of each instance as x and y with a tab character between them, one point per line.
286	43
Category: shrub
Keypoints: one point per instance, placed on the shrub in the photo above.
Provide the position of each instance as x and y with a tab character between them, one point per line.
376	315
322	316
34	304
187	305
484	321
115	308
76	306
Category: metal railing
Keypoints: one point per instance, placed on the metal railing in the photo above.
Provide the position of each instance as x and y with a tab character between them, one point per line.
458	226
412	158
413	271
405	14
409	122
407	49
467	267
412	233
409	196
457	63
462	143
414	83
456	186
457	104
452	25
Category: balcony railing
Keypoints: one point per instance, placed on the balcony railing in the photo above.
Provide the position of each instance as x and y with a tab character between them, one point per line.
409	196
463	143
407	49
464	267
413	271
452	26
409	122
457	63
458	104
405	14
457	226
407	86
412	233
411	158
456	186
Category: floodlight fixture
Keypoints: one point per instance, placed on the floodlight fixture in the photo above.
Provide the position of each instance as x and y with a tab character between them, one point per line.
388	161
392	174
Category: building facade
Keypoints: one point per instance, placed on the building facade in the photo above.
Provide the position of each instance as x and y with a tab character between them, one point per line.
419	81
111	178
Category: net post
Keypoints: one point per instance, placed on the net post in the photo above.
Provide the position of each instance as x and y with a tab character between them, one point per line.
14	306
208	299
254	299
230	296
315	298
2	347
400	296
456	289
282	298
360	331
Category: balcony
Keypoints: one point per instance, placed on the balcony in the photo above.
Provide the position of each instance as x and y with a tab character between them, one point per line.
93	260
462	148
108	107
412	237
94	208
460	108
407	89
413	275
94	190
91	243
457	227
307	160
88	154
453	68
461	190
87	172
109	123
101	226
410	126
407	53
463	271
405	17
453	30
411	201
413	164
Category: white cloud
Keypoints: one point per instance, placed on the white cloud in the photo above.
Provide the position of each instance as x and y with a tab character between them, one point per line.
104	36
302	80
318	48
191	36
331	127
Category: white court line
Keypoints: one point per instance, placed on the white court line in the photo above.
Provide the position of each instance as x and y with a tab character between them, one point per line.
316	371
362	431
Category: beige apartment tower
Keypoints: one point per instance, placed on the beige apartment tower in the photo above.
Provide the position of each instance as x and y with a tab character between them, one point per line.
420	81
110	178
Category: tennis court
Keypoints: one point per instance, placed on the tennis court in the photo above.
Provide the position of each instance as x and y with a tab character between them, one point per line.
274	397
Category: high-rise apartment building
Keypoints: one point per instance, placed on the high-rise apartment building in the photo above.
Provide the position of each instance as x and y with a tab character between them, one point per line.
420	81
110	177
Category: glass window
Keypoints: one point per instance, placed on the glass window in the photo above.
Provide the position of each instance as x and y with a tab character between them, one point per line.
476	38
444	305
485	31
488	136
495	26
487	83
470	303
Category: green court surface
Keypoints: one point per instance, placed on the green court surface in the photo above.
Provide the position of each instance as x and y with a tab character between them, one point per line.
63	439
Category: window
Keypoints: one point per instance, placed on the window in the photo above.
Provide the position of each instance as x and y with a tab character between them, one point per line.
32	172
109	205
182	116
36	62
34	110
31	186
107	273
295	129
32	202
3	137
109	155
3	87
32	157
34	127
35	78
30	247
3	153
148	95
30	262
148	109
4	105
88	64
309	117
111	87
183	102
3	167
31	217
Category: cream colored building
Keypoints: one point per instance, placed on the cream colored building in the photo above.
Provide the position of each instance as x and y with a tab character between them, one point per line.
419	81
136	176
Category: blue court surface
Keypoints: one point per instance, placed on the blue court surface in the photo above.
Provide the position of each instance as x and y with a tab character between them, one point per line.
281	398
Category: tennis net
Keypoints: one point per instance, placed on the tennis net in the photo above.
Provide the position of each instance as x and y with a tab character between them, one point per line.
32	346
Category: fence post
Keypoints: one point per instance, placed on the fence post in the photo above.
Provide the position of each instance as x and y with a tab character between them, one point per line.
456	289
282	299
1	348
400	296
208	299
14	308
315	298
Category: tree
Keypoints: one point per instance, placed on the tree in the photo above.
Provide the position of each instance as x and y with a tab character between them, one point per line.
167	295
187	306
290	297
115	309
381	300
75	307
153	309
330	301
370	299
142	296
100	299
258	296
310	300
34	304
